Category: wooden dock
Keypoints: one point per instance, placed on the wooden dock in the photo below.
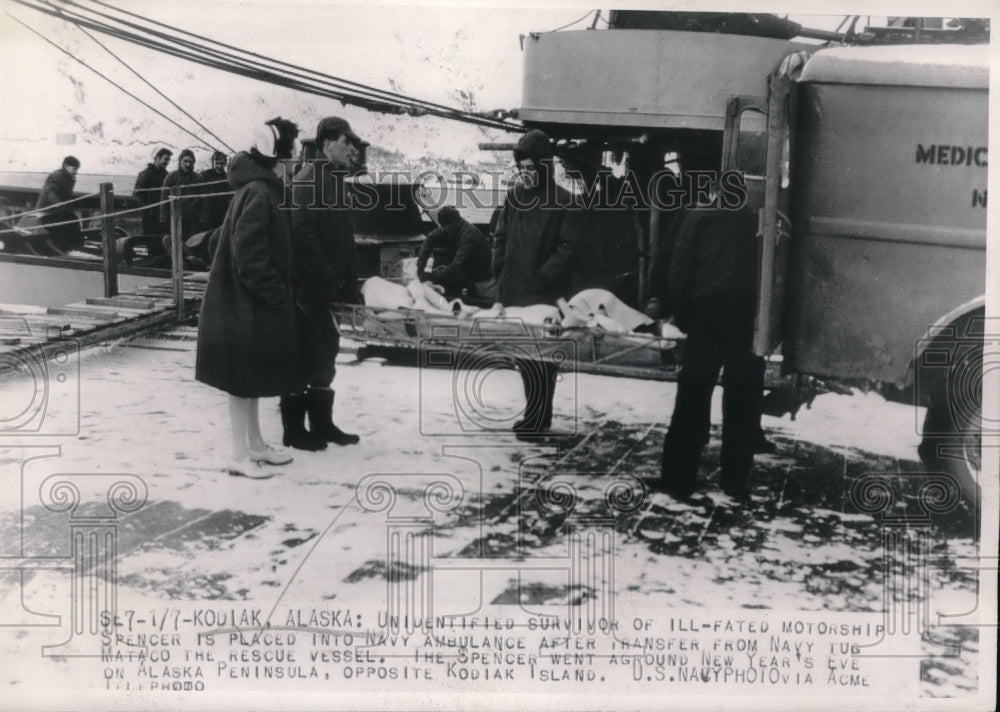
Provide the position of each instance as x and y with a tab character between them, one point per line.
29	332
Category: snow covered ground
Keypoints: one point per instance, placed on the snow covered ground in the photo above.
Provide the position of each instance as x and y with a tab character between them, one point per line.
322	533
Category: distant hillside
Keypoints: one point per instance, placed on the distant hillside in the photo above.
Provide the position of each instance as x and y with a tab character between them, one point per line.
54	106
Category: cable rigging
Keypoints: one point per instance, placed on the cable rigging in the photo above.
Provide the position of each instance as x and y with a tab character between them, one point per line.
222	56
154	88
107	79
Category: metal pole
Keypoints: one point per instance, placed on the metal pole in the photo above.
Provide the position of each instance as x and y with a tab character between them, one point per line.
108	239
653	245
177	250
643	237
495	146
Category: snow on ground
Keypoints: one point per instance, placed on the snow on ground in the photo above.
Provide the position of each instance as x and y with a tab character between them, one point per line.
305	537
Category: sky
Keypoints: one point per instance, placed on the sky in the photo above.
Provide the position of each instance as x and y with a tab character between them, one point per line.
431	52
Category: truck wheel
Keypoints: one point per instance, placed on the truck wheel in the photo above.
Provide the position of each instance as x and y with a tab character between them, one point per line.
953	427
963	454
967	465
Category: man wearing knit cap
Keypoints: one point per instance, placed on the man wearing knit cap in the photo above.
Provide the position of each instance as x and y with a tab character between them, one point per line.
214	180
326	272
189	182
536	250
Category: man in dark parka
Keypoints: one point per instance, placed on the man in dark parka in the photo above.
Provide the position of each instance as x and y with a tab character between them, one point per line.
712	293
189	181
326	271
58	188
461	255
535	253
607	226
148	189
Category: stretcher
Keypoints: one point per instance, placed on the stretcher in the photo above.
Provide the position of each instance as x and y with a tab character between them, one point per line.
436	340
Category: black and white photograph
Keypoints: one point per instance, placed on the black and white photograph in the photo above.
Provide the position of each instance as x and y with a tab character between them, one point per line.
398	355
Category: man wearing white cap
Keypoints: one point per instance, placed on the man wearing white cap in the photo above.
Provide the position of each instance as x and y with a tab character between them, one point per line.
248	342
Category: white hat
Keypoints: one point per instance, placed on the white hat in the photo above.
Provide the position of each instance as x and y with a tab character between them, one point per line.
265	138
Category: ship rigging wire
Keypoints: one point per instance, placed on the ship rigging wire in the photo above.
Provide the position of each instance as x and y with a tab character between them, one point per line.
219	55
154	88
107	78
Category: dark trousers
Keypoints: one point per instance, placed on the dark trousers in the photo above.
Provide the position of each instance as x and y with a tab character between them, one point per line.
539	381
705	353
151	224
320	343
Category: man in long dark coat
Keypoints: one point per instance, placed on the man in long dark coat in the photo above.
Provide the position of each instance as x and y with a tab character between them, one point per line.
326	271
712	293
536	250
148	189
607	224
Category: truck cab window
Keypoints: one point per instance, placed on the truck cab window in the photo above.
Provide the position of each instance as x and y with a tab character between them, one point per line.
751	144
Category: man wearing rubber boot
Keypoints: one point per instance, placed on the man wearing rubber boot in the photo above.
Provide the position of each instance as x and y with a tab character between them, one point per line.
712	288
535	251
326	270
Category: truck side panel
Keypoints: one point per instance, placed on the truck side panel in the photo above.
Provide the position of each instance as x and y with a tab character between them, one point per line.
890	223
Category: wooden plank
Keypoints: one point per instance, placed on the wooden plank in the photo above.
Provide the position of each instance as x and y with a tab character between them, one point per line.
109	332
160	292
123	301
158	301
111	311
11	326
94	313
18	309
55	330
72	319
44	332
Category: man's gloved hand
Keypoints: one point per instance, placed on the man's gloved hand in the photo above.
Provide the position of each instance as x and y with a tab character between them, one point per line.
654	308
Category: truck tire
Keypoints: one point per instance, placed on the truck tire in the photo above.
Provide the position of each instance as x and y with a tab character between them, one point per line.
952	441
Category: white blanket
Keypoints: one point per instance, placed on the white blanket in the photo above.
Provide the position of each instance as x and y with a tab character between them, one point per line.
599	308
383	294
591	308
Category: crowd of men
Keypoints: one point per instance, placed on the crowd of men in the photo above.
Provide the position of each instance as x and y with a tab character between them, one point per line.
545	247
206	196
153	184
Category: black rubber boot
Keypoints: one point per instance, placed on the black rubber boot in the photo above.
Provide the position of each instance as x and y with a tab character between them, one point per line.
552	374
293	422
320	409
538	379
735	471
678	469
